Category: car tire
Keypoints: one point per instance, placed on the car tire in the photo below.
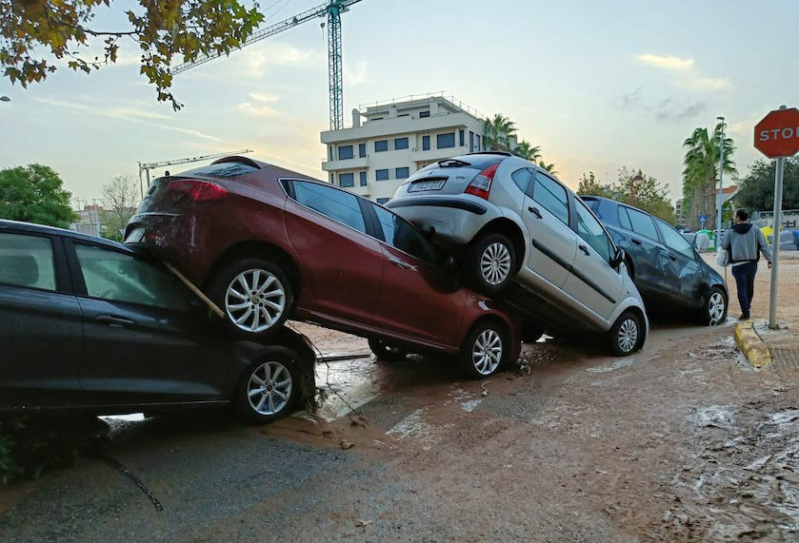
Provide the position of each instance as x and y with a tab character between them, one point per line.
531	332
491	263
485	350
386	351
235	289
715	311
626	335
268	390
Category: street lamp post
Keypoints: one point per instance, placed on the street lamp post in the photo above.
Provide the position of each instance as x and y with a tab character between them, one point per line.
633	180
721	185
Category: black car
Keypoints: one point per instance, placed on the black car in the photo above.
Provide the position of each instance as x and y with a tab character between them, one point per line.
90	324
669	273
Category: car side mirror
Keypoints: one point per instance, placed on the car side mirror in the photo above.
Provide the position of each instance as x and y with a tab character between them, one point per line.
618	258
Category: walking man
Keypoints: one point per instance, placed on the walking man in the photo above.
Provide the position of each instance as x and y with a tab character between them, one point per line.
744	243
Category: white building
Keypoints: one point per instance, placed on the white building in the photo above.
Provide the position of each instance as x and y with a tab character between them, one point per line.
396	139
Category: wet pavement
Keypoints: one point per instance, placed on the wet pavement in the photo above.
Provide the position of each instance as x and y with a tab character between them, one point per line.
683	441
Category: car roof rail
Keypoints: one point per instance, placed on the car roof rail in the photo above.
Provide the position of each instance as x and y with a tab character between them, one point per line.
503	153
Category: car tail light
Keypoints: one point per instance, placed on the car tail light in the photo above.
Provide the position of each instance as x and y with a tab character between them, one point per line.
481	185
199	191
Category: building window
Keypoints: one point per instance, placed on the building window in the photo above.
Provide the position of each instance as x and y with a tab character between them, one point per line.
361	150
402	173
330	152
332	179
471	141
445	141
382	201
425	143
346	180
462	138
345	152
478	143
381	175
423	114
363	179
381	145
401	143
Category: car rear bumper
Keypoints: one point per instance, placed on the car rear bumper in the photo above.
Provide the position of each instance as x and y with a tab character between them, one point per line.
453	219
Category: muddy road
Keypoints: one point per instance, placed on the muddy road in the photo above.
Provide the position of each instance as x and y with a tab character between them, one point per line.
681	442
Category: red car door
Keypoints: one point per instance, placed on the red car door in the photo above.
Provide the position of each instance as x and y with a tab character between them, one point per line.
342	263
416	298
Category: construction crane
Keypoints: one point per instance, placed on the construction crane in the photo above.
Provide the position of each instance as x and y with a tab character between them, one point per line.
147	166
332	10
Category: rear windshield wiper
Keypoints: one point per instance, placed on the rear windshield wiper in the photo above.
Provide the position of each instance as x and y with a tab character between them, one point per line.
452	163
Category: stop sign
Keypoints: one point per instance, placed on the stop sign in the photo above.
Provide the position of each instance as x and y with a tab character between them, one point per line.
777	135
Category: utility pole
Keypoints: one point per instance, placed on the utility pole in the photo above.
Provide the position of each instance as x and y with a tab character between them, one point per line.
720	197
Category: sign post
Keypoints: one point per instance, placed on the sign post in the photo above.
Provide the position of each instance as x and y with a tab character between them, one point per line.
777	136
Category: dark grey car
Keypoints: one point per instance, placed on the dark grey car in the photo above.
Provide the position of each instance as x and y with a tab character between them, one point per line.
669	273
89	324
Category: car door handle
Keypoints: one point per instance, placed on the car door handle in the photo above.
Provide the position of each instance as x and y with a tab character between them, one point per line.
401	264
584	249
111	320
636	241
534	211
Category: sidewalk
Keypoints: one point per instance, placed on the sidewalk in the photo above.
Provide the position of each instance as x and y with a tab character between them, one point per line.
764	348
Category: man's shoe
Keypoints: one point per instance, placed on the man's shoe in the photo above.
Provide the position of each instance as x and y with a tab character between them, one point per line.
743	318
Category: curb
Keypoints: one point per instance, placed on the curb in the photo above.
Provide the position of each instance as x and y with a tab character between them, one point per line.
752	346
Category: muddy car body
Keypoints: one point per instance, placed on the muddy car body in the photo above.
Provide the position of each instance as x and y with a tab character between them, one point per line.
88	324
266	243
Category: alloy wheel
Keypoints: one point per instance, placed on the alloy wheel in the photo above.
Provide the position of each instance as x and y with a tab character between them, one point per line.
255	300
628	335
715	308
487	352
495	263
269	388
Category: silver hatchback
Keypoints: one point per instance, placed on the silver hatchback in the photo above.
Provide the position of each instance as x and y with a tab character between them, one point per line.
524	235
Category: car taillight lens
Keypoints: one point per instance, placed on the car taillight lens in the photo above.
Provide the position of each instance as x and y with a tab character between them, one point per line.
481	185
199	191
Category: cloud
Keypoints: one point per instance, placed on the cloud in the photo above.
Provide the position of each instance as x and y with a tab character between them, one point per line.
666	62
264	97
628	100
670	110
684	72
357	75
256	110
130	115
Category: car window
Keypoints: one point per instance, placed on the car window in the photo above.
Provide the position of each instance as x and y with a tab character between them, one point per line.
27	261
120	277
522	179
589	229
401	235
624	218
592	204
674	240
552	197
642	224
335	204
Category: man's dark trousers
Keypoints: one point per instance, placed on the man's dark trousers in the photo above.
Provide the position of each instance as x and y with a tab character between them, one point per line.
745	280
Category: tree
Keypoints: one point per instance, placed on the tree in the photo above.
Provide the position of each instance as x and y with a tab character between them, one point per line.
590	186
548	167
756	191
119	201
701	171
527	151
162	29
498	132
650	195
35	193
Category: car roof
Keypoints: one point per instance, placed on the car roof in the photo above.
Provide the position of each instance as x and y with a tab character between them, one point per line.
63	232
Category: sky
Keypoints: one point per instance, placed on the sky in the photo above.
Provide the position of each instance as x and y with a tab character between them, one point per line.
598	85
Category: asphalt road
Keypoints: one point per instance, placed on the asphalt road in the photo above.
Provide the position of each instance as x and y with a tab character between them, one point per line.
681	442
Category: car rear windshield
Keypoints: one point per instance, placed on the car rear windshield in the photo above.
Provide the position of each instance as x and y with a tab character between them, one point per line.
221	169
479	162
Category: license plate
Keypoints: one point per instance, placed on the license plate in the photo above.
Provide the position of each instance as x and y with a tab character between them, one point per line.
426	185
135	236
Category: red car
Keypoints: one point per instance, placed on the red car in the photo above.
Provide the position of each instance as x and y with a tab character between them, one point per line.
266	243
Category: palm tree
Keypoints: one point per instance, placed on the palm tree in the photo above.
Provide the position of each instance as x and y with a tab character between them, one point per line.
527	151
498	131
548	167
701	171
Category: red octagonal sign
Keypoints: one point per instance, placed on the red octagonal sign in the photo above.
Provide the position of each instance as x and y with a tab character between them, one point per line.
777	135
